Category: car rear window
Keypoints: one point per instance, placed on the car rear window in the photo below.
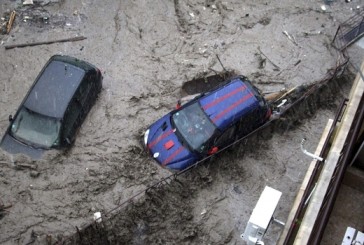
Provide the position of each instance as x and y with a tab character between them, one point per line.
54	89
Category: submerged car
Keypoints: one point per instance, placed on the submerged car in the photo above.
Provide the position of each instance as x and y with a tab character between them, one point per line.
54	108
206	124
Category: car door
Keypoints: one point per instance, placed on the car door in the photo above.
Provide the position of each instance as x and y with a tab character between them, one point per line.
71	121
85	94
226	138
248	123
86	89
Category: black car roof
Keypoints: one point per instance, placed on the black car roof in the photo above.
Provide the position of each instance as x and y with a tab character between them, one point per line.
56	85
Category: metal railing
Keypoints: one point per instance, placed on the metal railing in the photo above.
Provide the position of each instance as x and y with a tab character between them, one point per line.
349	31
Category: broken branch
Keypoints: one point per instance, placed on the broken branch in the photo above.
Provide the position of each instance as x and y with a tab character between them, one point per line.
72	39
261	52
25	165
10	22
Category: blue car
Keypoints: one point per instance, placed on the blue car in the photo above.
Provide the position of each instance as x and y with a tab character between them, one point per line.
206	124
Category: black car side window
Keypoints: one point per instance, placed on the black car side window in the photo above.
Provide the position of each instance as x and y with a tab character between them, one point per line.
250	122
71	118
85	88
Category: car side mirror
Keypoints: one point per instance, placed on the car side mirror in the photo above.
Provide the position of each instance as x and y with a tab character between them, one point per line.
10	118
213	150
179	104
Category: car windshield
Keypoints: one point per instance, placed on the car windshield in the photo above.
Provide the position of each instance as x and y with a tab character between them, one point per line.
35	129
194	126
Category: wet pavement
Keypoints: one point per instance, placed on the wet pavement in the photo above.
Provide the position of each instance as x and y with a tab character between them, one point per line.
147	50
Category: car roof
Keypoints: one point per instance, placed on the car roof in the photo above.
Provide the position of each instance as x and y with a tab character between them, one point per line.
55	86
229	103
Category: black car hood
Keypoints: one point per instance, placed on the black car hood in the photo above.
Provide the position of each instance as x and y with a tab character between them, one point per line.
13	146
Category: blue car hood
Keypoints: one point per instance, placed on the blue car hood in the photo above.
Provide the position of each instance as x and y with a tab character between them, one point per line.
165	146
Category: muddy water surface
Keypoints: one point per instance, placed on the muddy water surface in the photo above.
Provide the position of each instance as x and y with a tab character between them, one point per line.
147	50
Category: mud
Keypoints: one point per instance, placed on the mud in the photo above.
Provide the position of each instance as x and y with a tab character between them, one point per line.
147	50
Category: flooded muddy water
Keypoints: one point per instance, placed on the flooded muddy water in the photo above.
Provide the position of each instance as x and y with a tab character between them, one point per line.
147	50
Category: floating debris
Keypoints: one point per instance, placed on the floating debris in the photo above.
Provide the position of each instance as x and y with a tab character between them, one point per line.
291	38
97	217
276	67
10	22
282	103
28	2
73	39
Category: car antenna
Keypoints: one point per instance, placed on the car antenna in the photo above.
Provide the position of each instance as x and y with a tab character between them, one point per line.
217	56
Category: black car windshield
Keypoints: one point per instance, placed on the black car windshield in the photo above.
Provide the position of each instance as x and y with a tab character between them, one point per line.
194	126
35	129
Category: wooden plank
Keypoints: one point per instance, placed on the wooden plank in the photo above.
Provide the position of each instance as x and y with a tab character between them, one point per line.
73	39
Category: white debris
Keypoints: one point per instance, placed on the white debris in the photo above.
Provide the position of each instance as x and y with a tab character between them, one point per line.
282	103
192	15
97	217
202	50
28	2
323	7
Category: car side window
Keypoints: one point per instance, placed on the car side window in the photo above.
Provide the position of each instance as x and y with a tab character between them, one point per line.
248	123
85	88
71	118
226	137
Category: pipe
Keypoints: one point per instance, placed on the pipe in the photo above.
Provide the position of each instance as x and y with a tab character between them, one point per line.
308	153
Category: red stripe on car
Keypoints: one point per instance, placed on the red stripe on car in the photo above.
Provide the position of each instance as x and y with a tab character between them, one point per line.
174	154
221	114
216	101
162	136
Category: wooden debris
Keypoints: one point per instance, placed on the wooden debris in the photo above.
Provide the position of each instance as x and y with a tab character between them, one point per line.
295	64
25	165
6	206
3	207
10	22
275	66
273	96
291	38
72	39
287	93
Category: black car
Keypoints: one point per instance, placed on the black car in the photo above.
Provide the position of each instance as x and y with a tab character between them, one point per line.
54	108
